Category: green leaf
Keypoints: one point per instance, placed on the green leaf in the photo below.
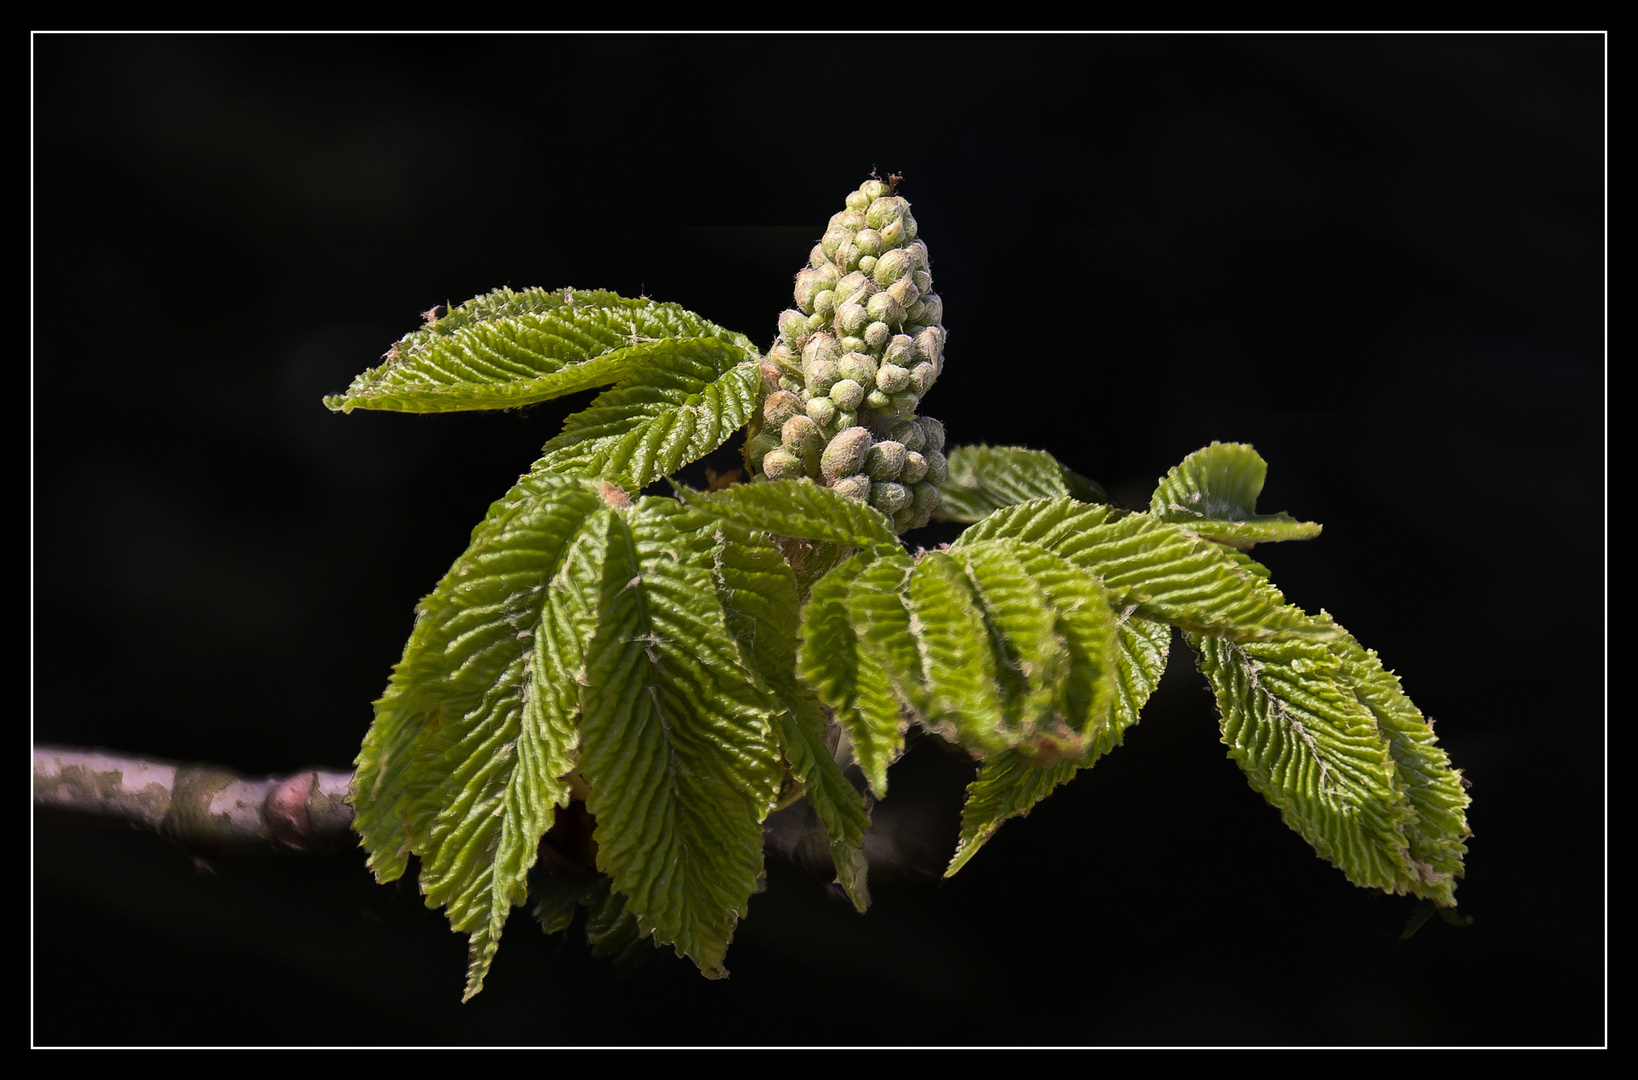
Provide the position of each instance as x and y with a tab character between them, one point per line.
1045	522
1173	576
958	695
464	763
758	594
848	677
1214	492
505	349
983	479
1292	719
676	740
684	401
799	508
1422	771
1009	784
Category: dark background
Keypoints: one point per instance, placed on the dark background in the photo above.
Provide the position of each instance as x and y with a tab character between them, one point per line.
1377	258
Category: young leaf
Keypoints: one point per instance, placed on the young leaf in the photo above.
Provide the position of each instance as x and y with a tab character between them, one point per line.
1214	492
1176	577
1044	522
505	349
758	594
1292	720
983	479
1010	784
800	508
463	764
684	401
676	740
846	675
1422	770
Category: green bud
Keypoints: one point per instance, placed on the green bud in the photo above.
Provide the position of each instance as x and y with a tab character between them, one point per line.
846	418
858	366
846	393
848	255
790	384
757	448
869	241
891	267
819	347
817	257
921	378
894	233
922	280
938	469
918	258
793	327
904	519
870	191
858	200
780	407
878	401
821	377
890	378
889	498
901	351
845	454
824	303
934	308
783	357
816	323
852	318
904	291
925	496
851	220
885	209
866	263
877	334
909	433
808	282
883	308
771	374
918	518
855	287
930	343
834	238
781	464
801	437
821	410
885	460
855	343
854	487
915	466
909	225
934	432
904	404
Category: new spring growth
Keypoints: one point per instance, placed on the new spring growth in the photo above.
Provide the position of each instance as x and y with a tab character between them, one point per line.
855	357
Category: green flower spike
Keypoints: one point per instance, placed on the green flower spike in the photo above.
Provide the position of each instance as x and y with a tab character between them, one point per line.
867	327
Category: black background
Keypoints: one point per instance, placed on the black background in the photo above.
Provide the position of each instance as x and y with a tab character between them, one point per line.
1377	258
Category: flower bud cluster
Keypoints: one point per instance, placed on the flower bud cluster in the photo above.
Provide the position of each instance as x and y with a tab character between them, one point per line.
854	358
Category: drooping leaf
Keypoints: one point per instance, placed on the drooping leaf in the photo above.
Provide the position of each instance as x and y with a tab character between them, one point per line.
1292	720
676	740
463	764
684	401
959	696
1213	492
1033	660
505	349
1422	770
983	479
1010	784
847	676
758	593
800	508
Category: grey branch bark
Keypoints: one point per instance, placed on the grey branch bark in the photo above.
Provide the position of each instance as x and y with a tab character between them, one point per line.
204	808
